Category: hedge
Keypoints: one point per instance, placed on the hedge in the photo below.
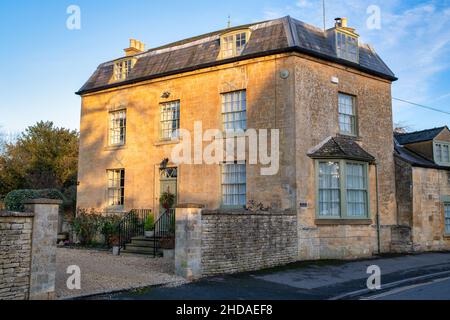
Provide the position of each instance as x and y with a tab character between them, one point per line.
14	200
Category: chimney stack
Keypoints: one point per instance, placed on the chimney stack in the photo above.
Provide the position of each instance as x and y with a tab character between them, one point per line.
135	47
341	22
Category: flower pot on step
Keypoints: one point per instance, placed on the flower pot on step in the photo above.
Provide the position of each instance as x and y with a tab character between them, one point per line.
116	250
149	234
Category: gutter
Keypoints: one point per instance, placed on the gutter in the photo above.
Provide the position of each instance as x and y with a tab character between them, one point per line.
242	58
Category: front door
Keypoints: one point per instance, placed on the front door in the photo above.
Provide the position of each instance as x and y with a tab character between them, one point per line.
168	183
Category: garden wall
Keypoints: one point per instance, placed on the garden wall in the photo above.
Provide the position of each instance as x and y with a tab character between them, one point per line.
222	242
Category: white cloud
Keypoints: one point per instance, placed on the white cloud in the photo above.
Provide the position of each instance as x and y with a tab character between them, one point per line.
304	4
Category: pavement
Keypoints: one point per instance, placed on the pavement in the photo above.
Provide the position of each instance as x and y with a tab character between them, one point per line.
320	280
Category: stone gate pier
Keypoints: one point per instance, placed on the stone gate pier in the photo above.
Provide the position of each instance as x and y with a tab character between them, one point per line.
28	251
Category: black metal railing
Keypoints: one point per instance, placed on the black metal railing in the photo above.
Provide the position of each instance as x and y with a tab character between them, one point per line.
164	227
132	225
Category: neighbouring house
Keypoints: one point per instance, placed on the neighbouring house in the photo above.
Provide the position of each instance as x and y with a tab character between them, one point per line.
328	94
422	167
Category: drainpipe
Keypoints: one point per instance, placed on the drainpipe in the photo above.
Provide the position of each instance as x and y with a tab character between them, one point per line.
378	210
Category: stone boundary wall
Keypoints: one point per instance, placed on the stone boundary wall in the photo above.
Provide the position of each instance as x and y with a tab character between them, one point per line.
28	251
235	242
15	254
224	242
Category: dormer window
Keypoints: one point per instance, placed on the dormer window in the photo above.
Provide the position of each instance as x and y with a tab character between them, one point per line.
123	68
442	153
345	40
347	47
233	44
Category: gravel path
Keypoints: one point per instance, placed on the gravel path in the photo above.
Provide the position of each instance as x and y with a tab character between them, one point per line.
102	272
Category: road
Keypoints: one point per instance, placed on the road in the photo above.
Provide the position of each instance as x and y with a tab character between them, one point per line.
438	289
320	280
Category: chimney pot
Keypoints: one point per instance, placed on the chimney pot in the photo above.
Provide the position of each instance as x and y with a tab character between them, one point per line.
135	47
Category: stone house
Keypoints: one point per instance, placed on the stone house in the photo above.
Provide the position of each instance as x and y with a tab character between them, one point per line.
328	94
422	168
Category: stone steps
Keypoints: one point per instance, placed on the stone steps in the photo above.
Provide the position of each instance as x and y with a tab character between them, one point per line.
141	245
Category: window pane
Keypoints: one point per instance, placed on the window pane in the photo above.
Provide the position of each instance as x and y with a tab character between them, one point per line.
170	120
347	114
445	153
234	185
329	189
447	218
347	47
117	127
356	190
116	187
122	69
234	111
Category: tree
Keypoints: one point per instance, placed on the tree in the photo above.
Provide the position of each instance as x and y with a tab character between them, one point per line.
42	157
401	127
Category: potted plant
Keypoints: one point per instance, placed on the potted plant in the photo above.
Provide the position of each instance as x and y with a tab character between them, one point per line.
149	226
115	242
167	245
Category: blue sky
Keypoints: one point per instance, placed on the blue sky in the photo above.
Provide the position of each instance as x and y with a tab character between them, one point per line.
43	63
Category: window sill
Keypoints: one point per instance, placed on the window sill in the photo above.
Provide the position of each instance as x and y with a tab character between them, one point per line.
350	136
167	142
332	222
118	209
114	148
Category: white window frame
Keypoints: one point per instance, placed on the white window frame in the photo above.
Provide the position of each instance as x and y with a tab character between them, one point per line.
115	192
439	148
117	131
343	196
169	120
234	111
122	69
353	118
232	44
347	46
240	185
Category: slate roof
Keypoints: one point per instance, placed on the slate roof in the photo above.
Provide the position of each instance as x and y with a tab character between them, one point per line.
418	136
340	148
267	38
415	159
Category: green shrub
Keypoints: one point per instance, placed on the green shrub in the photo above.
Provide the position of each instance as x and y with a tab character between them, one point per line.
109	228
54	194
14	200
149	223
86	225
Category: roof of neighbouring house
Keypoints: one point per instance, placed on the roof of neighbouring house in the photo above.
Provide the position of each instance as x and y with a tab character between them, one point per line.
340	147
267	38
415	159
418	136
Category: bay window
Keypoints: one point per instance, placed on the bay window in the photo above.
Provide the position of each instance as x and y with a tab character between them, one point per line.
342	189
